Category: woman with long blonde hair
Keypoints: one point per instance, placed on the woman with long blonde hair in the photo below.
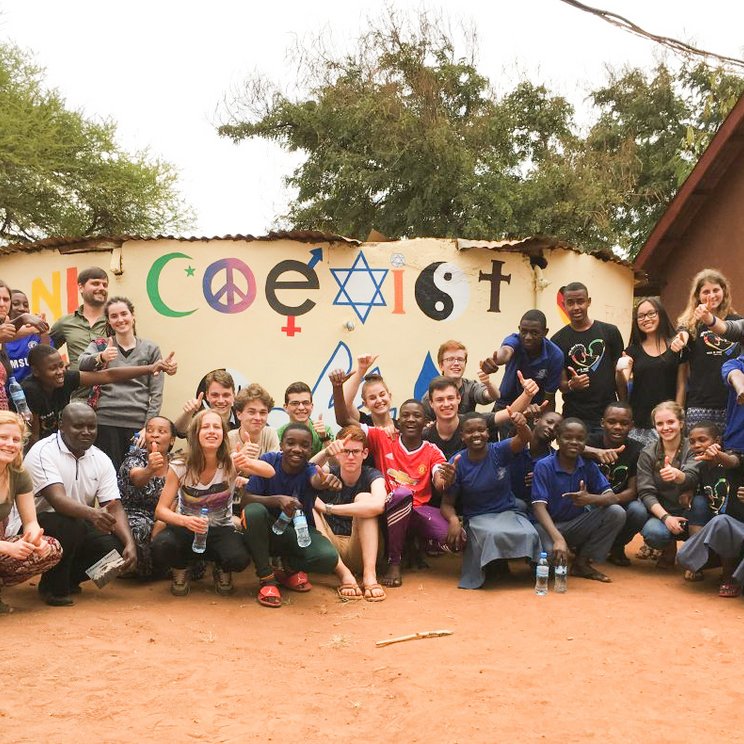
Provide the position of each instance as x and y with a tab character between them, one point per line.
204	480
705	350
668	476
29	553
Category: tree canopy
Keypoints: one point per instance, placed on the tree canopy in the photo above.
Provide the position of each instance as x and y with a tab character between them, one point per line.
406	137
62	173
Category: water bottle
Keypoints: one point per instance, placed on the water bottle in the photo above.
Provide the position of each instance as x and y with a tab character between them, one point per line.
300	525
560	582
200	538
281	523
19	400
542	572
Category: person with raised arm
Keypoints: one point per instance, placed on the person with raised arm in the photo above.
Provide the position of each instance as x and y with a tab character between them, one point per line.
707	336
123	407
444	399
29	335
564	484
495	529
648	371
532	354
590	349
29	553
50	385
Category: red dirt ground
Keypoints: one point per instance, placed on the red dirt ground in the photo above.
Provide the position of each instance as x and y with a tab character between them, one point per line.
646	658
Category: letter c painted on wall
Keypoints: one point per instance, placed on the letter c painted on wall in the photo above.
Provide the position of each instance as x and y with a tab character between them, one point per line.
153	286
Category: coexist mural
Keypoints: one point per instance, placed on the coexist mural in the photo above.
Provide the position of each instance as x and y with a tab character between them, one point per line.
277	311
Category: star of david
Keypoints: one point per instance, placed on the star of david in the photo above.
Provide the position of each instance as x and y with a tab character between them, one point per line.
360	287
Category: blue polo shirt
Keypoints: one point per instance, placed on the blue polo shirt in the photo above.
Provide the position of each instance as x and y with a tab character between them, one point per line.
733	437
281	483
545	369
523	464
550	482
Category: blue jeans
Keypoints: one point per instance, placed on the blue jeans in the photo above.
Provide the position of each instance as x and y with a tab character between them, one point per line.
658	536
636	517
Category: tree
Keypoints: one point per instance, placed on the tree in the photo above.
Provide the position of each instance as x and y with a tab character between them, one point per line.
63	174
405	136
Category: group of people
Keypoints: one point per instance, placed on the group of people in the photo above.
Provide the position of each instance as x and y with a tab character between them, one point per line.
648	442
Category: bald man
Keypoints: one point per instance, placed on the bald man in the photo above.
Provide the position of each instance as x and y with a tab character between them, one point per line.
77	501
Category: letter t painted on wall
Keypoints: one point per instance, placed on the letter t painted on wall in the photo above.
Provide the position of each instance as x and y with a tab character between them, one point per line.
495	277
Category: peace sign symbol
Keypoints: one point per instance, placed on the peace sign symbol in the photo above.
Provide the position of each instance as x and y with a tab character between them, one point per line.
230	297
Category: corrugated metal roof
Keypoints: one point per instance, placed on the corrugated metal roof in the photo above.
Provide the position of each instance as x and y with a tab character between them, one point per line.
529	246
534	245
105	242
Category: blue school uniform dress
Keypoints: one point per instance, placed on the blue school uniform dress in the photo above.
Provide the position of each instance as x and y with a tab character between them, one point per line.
495	530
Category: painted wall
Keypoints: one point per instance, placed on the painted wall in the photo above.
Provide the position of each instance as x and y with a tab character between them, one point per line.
276	312
714	239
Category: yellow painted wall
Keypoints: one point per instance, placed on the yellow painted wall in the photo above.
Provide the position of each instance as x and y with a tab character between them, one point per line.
220	303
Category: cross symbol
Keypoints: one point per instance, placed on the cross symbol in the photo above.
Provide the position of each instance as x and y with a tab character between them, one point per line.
290	329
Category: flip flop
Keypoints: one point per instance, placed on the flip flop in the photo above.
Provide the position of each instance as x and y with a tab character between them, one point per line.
349	587
729	589
297	581
370	596
693	575
269	596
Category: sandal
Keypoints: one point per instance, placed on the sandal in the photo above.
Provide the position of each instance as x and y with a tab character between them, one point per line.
269	596
354	588
729	589
369	593
693	575
297	581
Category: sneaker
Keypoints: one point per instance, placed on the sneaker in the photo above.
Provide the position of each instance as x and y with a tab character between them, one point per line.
180	582
222	581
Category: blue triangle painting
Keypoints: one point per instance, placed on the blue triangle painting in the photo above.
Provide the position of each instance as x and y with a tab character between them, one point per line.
428	372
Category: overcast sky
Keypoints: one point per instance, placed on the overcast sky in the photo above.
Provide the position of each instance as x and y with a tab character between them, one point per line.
160	69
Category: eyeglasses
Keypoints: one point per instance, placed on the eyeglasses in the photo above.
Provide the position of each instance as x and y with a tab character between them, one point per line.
454	360
648	316
351	453
300	403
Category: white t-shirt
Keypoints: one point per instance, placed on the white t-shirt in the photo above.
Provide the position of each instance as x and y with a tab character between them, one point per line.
215	496
87	479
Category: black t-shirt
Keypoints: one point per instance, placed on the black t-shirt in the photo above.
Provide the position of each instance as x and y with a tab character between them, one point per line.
593	352
48	407
626	465
706	354
342	525
450	446
654	380
719	486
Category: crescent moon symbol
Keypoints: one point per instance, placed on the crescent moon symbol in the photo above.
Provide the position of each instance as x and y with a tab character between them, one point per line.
153	288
